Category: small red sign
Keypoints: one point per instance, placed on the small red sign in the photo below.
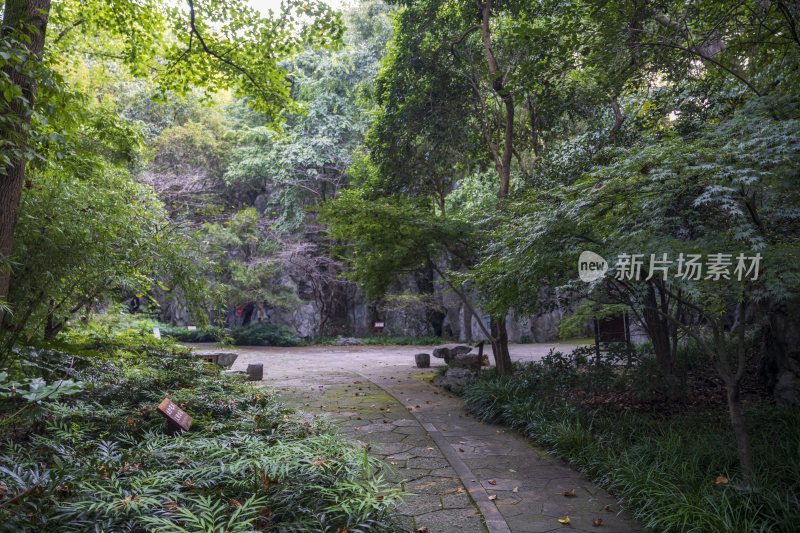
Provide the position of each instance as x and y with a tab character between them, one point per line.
239	311
174	414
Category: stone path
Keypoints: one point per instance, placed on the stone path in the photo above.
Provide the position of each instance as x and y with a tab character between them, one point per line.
462	476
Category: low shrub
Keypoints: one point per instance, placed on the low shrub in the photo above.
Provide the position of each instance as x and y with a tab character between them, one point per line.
201	334
99	459
263	334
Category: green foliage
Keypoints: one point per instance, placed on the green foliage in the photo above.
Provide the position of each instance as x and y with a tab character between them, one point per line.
306	161
244	251
193	144
100	458
212	45
201	334
87	230
391	236
263	334
664	469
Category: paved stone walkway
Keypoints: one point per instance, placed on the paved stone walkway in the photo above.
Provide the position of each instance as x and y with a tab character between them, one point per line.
462	476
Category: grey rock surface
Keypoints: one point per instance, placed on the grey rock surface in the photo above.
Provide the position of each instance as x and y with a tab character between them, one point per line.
469	360
449	351
255	372
349	341
224	359
787	389
455	379
423	360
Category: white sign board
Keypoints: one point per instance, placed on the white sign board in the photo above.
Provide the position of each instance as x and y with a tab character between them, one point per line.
156	333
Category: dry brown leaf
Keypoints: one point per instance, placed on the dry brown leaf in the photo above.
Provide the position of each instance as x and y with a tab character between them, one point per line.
461	449
568	492
3	489
722	479
421	530
492	482
608	508
493	497
459	490
597	521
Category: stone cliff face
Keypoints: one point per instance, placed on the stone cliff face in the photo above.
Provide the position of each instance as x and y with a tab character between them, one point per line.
421	306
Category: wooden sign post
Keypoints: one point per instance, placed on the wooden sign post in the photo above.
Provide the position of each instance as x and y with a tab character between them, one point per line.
176	417
379	327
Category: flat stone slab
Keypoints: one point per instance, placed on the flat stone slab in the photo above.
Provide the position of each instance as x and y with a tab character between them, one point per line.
223	359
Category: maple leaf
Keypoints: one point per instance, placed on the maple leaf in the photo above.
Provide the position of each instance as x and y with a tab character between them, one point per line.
564	520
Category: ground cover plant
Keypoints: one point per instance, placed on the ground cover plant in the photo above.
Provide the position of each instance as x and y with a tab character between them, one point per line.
673	464
100	459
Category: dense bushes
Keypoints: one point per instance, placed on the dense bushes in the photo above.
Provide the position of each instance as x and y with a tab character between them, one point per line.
664	468
100	459
263	334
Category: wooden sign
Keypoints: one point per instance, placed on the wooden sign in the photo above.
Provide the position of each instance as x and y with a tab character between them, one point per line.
176	417
378	324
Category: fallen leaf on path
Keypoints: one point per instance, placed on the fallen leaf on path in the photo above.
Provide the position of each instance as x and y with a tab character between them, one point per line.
564	520
608	508
515	489
568	492
492	482
597	521
430	448
459	490
422	530
722	479
493	497
461	449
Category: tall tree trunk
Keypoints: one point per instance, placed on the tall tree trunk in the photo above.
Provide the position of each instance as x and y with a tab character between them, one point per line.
739	428
30	18
503	166
502	359
658	329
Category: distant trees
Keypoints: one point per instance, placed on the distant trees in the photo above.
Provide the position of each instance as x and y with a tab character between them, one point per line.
211	44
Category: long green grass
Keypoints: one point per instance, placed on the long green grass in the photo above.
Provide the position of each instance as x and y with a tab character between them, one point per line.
100	460
664	470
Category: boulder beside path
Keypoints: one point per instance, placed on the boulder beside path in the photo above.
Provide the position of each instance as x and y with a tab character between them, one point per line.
449	351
